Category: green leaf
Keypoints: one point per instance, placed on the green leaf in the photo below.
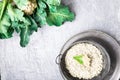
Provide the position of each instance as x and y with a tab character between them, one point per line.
17	18
6	30
40	14
5	27
24	25
79	59
33	25
21	3
3	5
58	15
15	14
17	25
27	31
53	2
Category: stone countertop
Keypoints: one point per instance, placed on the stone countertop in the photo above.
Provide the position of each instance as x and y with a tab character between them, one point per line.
37	60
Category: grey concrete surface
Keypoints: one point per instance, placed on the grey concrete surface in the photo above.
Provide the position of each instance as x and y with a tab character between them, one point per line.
37	60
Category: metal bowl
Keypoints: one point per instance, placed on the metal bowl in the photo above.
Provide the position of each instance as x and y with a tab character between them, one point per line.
106	62
109	46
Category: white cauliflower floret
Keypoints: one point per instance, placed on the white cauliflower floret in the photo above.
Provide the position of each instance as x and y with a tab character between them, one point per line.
30	7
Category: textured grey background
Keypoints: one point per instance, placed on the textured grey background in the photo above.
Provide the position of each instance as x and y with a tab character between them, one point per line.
37	60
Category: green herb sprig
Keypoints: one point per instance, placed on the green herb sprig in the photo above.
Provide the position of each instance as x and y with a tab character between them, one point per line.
79	58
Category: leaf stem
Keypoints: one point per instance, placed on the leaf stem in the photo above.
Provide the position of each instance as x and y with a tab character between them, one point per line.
5	2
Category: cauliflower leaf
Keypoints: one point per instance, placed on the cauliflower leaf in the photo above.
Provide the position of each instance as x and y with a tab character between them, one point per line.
21	3
24	25
24	17
58	15
3	5
53	2
17	18
27	31
15	14
5	24
40	14
6	30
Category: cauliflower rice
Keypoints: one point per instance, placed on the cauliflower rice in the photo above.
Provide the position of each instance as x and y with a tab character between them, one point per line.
92	58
